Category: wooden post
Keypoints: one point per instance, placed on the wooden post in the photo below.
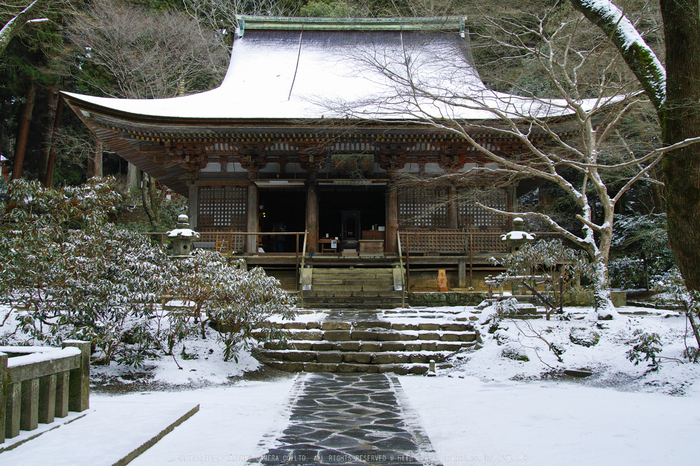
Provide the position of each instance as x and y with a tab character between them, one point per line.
452	207
462	271
251	242
79	391
392	220
193	205
312	216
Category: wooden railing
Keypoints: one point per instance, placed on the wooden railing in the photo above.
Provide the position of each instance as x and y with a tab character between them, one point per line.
39	384
450	242
234	241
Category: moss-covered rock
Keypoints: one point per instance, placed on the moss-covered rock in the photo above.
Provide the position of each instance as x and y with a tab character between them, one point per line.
516	353
584	337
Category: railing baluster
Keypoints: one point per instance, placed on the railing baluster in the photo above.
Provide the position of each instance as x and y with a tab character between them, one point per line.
29	412
47	399
13	408
62	393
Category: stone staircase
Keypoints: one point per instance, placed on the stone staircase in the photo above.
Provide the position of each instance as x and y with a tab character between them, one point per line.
366	345
375	288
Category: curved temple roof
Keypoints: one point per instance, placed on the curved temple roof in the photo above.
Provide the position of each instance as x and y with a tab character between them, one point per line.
292	68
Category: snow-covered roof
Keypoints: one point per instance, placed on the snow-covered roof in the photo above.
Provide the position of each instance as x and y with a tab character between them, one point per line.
284	68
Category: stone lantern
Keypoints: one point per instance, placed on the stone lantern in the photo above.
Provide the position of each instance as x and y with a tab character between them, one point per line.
518	237
182	237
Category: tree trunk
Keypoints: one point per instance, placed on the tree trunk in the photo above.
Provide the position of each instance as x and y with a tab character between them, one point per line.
95	162
680	119
21	146
678	108
601	291
151	203
49	126
48	181
132	177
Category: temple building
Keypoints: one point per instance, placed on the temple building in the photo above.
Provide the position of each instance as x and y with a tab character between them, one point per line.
323	144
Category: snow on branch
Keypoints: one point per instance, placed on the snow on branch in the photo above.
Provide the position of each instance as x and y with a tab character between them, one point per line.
637	54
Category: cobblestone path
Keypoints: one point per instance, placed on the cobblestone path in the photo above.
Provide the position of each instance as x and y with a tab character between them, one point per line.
353	419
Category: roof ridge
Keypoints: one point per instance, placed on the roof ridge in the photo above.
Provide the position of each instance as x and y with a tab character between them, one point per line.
445	23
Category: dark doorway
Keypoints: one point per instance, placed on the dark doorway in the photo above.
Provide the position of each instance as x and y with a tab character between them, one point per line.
367	201
282	206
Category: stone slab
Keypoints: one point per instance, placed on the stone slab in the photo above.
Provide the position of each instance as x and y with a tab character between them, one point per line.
141	425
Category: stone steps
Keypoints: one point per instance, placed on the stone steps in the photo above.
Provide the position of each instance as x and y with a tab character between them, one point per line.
366	346
360	287
357	302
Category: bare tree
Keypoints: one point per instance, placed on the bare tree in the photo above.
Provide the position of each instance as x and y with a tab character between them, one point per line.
675	91
133	52
572	141
222	15
17	14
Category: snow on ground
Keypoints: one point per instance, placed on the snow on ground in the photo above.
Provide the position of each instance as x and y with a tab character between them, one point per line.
486	409
606	359
471	422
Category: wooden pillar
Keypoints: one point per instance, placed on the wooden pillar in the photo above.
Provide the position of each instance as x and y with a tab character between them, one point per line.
312	217
462	272
251	245
511	201
452	207
392	220
193	206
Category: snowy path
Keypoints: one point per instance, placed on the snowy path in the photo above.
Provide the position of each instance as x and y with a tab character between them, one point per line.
350	419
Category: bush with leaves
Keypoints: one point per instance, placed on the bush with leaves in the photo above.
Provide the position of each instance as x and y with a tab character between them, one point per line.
673	285
235	302
640	250
551	258
645	347
77	276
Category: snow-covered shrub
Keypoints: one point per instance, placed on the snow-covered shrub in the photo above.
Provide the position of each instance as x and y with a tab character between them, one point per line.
232	300
627	272
584	337
645	347
552	258
673	285
515	352
74	275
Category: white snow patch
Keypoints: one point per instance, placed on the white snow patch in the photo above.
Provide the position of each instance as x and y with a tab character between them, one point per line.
545	424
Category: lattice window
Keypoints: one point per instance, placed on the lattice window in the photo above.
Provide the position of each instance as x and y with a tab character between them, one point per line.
473	217
222	206
423	206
